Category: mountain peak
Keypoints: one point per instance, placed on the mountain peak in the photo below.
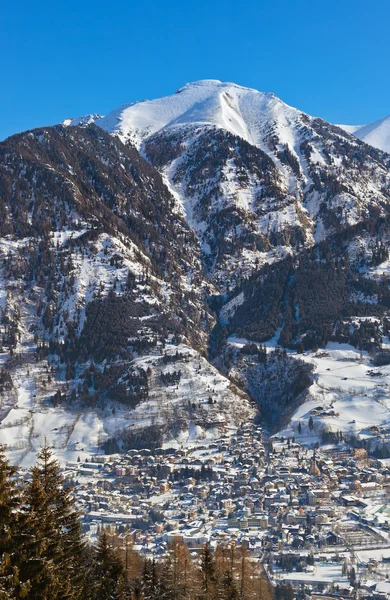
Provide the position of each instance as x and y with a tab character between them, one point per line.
376	134
217	86
242	111
199	83
84	120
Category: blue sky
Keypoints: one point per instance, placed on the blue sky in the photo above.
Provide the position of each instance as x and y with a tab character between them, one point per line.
64	59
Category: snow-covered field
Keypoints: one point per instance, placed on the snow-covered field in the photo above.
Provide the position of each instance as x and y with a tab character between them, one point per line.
325	573
349	394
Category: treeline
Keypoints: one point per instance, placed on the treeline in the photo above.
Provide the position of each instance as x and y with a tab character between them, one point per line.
171	378
202	474
227	573
43	555
150	437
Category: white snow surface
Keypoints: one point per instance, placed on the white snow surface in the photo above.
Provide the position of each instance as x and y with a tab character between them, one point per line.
244	112
349	394
376	134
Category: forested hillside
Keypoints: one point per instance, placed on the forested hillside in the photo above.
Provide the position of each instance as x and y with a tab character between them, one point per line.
135	247
100	280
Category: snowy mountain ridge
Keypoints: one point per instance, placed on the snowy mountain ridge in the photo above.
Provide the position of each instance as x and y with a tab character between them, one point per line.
376	134
240	110
254	177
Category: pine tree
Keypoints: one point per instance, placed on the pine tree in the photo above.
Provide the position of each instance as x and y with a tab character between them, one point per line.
167	579
39	551
284	591
228	588
67	525
150	585
53	556
10	502
107	571
208	573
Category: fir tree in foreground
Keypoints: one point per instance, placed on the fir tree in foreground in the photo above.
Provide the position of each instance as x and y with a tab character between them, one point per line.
43	555
41	546
10	504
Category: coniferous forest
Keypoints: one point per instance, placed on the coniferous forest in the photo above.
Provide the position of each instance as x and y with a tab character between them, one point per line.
44	556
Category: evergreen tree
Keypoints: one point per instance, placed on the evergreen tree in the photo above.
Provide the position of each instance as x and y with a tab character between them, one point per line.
67	524
352	577
10	502
39	552
107	571
284	591
208	572
150	582
53	557
228	588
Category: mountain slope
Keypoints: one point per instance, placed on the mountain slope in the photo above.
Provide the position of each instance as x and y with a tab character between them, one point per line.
241	111
102	314
255	178
135	248
376	134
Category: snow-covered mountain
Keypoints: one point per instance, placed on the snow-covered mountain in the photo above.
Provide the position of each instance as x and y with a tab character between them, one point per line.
255	178
376	134
243	112
84	120
103	320
134	248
